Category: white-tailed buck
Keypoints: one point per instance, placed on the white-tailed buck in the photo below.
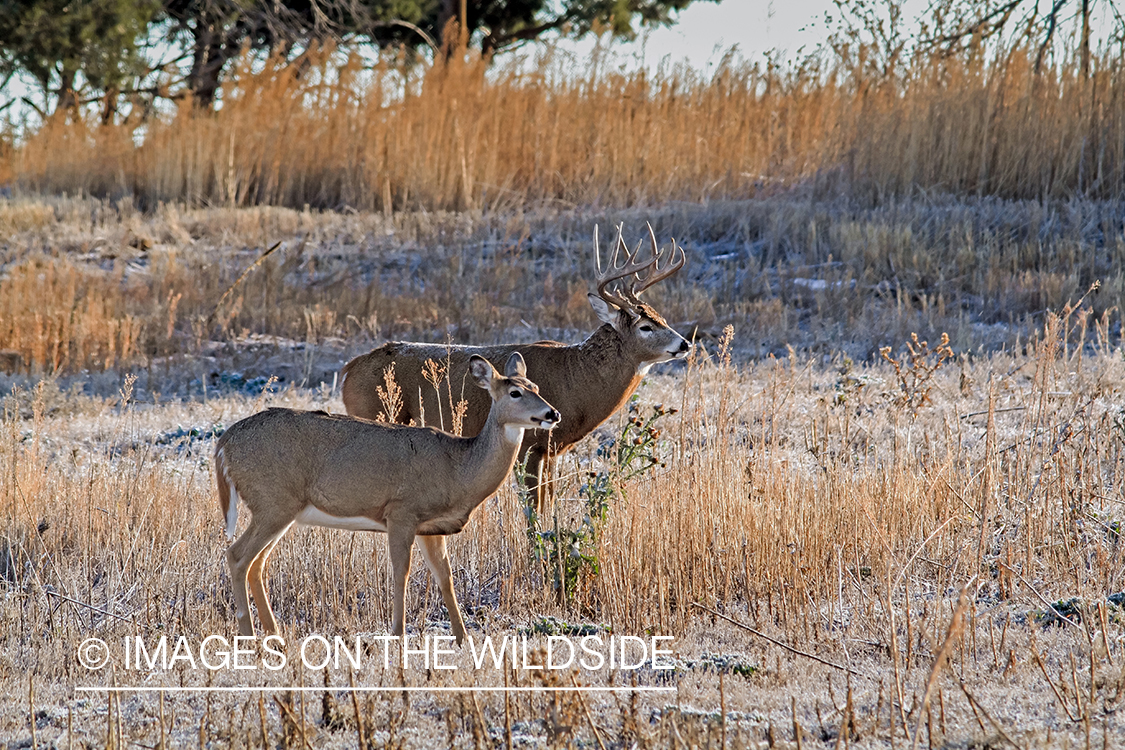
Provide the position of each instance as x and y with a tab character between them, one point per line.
587	382
328	470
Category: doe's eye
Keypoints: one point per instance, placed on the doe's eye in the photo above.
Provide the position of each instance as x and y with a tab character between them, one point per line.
646	328
515	394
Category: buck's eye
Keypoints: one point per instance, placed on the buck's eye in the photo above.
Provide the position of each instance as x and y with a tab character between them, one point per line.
515	394
646	328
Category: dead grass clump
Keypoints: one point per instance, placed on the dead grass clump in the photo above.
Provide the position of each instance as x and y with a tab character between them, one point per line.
57	317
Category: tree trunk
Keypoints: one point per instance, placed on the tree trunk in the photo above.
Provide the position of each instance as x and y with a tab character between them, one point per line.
1085	39
68	97
210	55
203	80
109	105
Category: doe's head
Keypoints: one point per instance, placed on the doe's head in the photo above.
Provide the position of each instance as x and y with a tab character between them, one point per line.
516	397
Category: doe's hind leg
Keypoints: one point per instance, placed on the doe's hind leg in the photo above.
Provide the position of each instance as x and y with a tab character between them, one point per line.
256	578
246	550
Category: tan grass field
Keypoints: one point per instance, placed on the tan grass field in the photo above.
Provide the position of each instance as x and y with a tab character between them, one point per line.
911	554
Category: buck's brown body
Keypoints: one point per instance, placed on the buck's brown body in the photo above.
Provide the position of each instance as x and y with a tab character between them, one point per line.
586	382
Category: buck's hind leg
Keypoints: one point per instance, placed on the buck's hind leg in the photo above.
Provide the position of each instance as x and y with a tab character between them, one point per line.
247	549
437	559
547	484
540	476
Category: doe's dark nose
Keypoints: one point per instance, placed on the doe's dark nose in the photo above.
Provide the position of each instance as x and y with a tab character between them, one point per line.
684	346
554	416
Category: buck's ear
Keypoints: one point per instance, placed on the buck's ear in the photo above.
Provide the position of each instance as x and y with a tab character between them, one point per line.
482	371
606	312
516	367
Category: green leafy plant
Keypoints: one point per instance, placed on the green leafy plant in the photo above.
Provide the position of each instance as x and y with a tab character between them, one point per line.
567	554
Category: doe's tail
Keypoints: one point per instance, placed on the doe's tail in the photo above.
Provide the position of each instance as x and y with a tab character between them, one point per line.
228	495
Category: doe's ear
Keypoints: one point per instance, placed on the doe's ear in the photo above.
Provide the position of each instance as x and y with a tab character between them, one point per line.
516	367
606	312
482	371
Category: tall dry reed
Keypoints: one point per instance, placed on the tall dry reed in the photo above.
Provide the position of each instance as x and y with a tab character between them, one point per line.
333	133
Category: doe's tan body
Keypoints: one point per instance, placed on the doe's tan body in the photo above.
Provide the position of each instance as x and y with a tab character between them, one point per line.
341	472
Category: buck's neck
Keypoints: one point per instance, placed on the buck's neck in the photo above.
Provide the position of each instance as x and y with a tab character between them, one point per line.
489	458
609	367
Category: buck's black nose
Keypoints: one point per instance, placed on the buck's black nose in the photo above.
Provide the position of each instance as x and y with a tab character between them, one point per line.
554	416
684	346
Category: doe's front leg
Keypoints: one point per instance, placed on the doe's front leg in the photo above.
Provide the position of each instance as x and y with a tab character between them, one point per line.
437	558
400	540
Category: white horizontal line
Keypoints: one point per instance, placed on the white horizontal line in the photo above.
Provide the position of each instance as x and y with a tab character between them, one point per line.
367	689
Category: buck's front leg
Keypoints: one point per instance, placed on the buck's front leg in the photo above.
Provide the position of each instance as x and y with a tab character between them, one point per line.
400	539
534	478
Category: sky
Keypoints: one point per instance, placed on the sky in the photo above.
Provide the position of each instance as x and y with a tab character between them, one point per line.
705	30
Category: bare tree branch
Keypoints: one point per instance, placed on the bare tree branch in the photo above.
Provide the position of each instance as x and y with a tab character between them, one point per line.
1052	24
1003	12
429	40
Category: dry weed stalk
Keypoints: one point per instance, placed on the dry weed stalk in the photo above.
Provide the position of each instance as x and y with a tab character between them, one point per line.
915	372
434	374
390	395
952	634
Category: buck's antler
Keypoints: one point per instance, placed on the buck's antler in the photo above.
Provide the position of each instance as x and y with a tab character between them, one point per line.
618	269
658	274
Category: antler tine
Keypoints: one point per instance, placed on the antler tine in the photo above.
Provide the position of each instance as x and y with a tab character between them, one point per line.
658	273
619	246
613	263
632	291
618	269
597	253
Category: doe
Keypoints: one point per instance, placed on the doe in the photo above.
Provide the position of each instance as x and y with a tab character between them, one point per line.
340	472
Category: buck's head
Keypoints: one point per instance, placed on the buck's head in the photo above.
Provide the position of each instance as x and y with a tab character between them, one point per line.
645	334
516	397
